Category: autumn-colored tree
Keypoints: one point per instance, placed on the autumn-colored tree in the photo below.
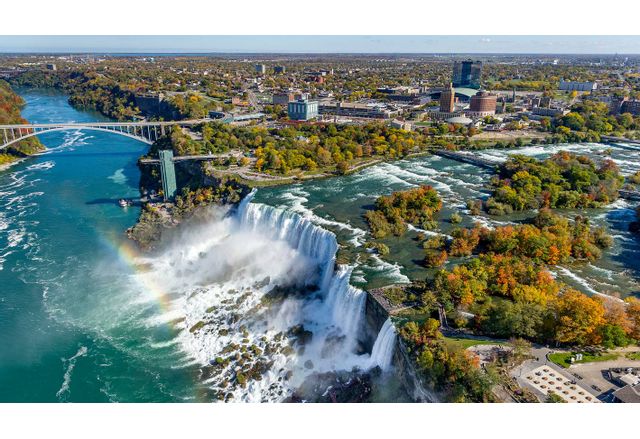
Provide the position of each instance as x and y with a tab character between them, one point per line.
579	318
633	316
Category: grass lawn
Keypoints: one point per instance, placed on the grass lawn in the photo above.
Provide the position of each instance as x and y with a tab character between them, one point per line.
633	355
468	342
564	359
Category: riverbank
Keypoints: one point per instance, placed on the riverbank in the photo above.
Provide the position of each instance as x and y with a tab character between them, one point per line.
11	104
158	217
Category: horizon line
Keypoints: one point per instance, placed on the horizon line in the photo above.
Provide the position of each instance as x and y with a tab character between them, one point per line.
129	52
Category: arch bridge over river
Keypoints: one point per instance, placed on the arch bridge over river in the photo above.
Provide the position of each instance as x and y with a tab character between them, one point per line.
147	132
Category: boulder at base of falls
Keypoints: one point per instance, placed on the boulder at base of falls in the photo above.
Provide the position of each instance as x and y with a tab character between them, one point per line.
334	387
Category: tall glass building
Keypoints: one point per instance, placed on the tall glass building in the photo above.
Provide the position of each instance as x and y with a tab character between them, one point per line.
467	74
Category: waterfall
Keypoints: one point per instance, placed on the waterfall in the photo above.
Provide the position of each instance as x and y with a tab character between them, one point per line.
345	303
384	347
300	233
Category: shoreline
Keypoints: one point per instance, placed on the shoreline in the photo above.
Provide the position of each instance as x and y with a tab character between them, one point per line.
5	166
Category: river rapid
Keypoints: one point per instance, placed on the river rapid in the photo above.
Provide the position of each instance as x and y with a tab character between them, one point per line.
246	305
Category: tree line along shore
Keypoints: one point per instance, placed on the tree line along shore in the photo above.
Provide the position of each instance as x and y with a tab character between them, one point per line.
10	107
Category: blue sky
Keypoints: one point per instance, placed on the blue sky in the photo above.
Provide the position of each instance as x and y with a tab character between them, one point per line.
324	44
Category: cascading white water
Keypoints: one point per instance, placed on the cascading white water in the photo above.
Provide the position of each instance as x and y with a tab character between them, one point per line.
259	299
384	347
300	233
345	303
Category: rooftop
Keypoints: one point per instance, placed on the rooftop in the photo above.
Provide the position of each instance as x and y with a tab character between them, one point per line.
628	394
460	120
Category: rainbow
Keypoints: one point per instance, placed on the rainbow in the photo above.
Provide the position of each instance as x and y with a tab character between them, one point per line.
126	253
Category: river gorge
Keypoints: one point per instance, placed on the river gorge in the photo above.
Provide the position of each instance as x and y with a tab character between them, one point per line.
276	285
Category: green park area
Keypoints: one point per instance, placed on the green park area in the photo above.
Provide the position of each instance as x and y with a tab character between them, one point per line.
563	359
466	343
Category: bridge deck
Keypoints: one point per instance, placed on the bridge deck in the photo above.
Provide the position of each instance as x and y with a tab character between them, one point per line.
72	125
192	157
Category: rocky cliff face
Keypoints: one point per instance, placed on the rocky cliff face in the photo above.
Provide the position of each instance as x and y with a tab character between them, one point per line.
377	311
409	377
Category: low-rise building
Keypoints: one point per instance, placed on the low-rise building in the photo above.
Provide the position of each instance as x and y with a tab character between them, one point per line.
549	112
282	98
444	115
631	106
359	110
615	104
577	85
401	125
239	102
627	394
460	120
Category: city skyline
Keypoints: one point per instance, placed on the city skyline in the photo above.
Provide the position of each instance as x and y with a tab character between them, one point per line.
325	44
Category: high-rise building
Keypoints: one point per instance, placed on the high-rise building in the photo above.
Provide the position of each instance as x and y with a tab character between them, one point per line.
261	69
447	100
280	69
467	74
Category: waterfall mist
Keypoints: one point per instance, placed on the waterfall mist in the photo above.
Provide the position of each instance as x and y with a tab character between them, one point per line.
259	301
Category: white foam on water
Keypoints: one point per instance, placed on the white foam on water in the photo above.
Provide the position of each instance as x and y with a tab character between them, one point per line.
539	150
608	273
118	177
382	174
427	232
391	271
410	177
584	283
15	237
620	203
217	275
41	166
298	200
71	364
